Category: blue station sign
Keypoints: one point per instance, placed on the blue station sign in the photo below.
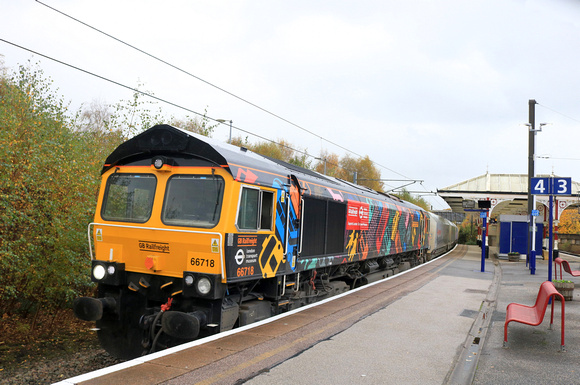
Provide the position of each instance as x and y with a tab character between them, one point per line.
551	186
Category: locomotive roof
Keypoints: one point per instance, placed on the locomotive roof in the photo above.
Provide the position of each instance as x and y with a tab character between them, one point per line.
243	164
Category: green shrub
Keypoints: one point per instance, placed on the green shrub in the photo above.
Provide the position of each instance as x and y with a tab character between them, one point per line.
49	178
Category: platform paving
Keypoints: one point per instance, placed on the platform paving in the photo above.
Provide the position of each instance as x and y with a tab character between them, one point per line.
533	354
450	331
415	340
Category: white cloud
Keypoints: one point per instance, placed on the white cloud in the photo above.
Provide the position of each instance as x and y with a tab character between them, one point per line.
325	40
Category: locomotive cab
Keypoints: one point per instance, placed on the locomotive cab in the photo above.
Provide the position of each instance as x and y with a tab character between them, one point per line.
158	247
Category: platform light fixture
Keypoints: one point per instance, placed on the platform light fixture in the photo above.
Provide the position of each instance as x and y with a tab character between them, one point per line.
539	129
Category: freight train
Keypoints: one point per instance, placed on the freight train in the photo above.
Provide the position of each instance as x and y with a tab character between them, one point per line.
193	236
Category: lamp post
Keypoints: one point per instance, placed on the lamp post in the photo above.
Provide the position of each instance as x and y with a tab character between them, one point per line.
223	121
531	255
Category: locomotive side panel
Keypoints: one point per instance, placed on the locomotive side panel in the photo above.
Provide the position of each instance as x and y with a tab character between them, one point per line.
267	233
442	235
372	229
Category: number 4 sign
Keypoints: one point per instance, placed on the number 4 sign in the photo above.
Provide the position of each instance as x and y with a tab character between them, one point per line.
551	186
540	186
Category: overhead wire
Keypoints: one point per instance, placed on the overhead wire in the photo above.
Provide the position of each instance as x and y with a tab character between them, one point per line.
559	113
566	116
170	103
552	157
145	93
219	88
181	70
163	100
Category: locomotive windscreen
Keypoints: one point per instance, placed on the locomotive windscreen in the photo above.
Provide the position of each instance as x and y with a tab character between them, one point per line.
129	197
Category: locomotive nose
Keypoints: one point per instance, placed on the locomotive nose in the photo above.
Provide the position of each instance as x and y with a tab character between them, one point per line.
91	309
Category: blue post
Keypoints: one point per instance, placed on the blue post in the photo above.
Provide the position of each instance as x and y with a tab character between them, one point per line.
550	245
533	262
533	251
483	243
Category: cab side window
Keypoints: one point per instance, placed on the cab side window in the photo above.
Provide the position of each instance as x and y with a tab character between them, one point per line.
256	209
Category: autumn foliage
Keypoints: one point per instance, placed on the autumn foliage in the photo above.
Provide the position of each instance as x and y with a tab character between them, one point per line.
48	181
569	221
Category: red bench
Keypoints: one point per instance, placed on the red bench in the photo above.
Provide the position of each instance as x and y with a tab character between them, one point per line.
534	315
562	262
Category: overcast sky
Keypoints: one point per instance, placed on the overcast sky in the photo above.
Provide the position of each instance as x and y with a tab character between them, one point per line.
430	90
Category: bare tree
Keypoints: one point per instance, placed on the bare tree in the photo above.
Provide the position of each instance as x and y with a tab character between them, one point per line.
95	118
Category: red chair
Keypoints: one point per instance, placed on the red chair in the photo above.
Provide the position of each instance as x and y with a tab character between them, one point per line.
562	262
534	315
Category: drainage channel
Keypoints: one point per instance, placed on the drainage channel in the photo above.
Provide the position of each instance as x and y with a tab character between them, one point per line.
464	368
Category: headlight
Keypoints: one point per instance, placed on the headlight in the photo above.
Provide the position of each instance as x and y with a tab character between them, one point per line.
99	272
158	162
203	286
108	273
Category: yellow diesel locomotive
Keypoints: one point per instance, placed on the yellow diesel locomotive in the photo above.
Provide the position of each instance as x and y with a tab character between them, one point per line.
193	236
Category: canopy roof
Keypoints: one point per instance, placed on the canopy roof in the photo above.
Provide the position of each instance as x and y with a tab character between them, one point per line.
498	188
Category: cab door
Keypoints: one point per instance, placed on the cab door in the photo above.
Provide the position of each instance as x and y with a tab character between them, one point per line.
294	218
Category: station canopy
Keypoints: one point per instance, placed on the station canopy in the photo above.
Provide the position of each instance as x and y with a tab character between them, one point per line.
508	194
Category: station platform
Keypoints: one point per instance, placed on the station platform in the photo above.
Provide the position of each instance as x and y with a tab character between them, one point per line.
420	339
417	339
440	323
533	353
